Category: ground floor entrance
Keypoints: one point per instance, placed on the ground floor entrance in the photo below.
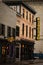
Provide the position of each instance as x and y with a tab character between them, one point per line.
24	51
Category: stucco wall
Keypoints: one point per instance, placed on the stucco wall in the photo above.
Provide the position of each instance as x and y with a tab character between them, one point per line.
7	15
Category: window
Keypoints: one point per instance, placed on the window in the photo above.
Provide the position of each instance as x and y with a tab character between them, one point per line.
2	29
13	32
29	32
27	15
18	9
22	29
30	17
9	31
32	33
17	30
26	31
14	8
23	13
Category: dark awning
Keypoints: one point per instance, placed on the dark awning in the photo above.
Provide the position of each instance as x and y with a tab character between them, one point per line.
3	41
25	41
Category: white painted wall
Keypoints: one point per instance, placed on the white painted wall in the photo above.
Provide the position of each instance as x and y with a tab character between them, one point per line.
7	15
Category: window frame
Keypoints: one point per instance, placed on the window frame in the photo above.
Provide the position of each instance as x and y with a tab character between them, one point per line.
8	31
26	15
26	30
29	32
23	29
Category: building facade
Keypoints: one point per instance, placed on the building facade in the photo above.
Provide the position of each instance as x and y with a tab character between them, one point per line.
7	32
17	20
24	30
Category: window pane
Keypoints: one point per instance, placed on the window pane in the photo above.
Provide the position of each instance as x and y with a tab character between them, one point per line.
32	33
23	13
9	31
17	30
29	32
13	32
27	15
30	17
18	9
2	29
26	31
22	29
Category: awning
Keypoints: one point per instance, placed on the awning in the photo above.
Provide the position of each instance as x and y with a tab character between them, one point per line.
25	41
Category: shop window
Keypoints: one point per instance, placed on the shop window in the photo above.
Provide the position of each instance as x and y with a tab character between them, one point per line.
7	50
3	50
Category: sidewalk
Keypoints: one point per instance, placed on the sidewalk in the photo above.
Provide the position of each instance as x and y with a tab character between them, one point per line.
38	61
25	62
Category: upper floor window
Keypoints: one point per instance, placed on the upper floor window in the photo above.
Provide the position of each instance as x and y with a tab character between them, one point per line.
13	32
22	29
29	32
23	13
27	15
17	30
30	17
9	31
32	32
26	30
18	9
14	8
2	29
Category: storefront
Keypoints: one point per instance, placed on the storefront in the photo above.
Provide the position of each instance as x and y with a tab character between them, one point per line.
3	49
7	51
24	50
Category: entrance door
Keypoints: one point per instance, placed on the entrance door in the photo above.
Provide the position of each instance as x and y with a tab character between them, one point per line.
18	51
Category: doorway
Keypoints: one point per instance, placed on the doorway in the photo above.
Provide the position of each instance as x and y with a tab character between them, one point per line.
18	52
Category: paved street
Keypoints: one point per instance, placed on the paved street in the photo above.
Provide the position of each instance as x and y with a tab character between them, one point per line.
23	64
29	62
37	64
